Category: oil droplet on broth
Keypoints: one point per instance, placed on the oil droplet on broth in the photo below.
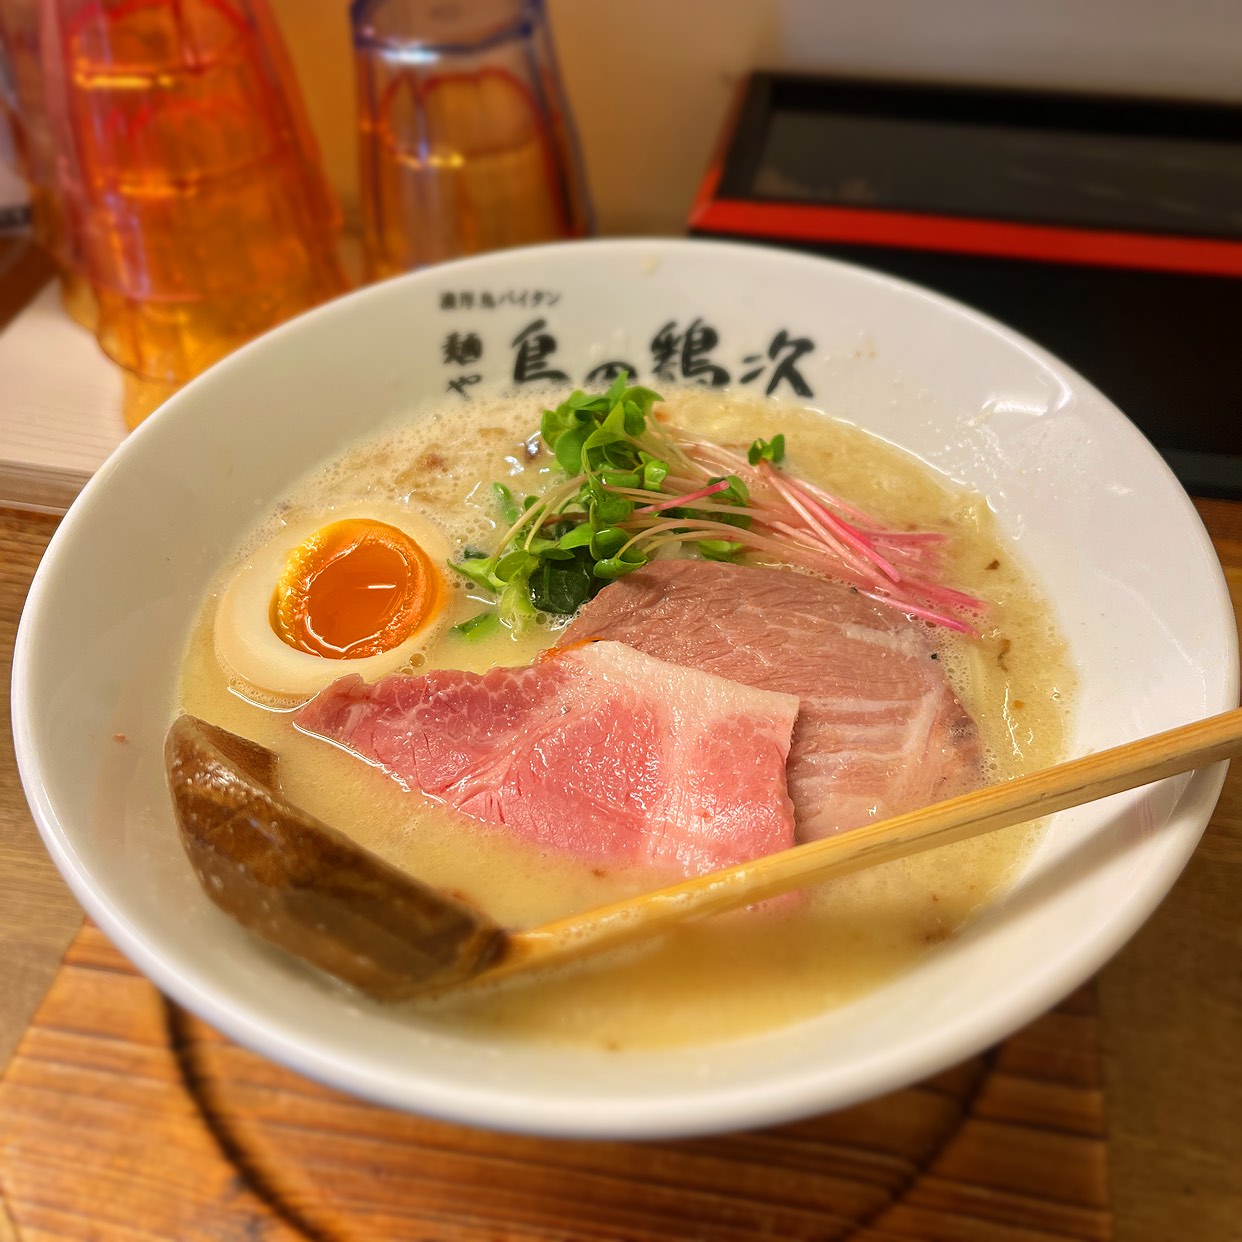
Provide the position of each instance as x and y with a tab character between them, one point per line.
733	975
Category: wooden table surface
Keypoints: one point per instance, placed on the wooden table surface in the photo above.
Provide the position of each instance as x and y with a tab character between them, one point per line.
1170	1004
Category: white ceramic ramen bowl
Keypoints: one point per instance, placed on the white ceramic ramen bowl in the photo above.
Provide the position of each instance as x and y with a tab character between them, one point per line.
1095	514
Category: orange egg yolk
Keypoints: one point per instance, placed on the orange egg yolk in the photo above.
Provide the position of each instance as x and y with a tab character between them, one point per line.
355	588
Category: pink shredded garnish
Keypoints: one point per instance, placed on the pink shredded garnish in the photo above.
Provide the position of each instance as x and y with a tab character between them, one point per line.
915	610
675	502
827	542
905	536
812	527
856	574
822	517
943	594
836	502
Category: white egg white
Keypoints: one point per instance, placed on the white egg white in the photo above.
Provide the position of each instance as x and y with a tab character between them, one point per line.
264	667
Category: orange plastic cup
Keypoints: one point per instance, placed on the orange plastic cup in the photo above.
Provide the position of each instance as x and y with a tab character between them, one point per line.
190	176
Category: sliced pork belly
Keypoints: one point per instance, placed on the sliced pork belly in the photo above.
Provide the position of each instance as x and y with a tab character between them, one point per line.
879	731
597	750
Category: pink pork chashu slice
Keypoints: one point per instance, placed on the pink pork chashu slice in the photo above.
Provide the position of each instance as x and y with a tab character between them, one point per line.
597	750
880	730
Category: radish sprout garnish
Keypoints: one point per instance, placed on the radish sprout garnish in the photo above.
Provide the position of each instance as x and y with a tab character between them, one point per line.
635	485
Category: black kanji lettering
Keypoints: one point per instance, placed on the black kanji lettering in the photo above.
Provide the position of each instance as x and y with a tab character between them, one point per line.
689	351
461	383
785	352
754	374
461	349
664	347
534	346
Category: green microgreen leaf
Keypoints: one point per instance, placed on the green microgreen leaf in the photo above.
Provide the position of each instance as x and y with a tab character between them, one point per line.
642	399
617	389
618	566
767	450
610	431
719	549
579	537
548	550
610	509
621	478
479	569
515	564
654	472
633	417
569	445
608	541
603	424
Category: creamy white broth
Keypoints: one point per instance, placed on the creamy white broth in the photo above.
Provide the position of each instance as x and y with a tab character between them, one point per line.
732	976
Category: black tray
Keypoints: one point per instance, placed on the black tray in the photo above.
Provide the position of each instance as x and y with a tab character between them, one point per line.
1109	230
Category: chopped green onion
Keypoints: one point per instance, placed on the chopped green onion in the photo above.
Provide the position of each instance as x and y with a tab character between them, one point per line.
475	629
508	507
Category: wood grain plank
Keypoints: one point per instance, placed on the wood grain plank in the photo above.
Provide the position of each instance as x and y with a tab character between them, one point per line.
1054	1106
38	915
908	1221
99	1137
168	1130
1171	1013
1056	1166
91	948
1059	1047
1010	1208
1173	1062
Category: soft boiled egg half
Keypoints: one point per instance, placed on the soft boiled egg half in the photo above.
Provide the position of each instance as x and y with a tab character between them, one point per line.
358	591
